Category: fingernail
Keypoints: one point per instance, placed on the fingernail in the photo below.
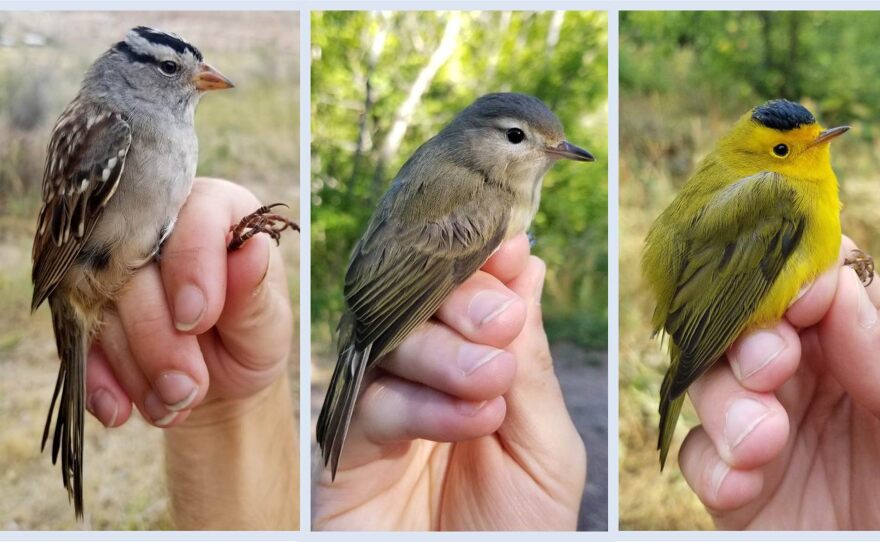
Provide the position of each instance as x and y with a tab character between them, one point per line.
867	310
487	305
176	389
189	306
102	404
470	408
743	416
473	356
755	352
719	473
157	411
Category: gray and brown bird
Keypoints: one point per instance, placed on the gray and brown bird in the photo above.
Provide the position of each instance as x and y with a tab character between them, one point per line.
462	193
121	161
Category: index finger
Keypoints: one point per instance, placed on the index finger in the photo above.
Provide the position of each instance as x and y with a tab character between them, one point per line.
510	260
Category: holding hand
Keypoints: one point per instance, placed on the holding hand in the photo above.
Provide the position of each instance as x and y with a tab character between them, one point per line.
791	424
465	427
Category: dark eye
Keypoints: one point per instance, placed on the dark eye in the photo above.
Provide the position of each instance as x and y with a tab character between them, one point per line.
168	67
781	150
515	135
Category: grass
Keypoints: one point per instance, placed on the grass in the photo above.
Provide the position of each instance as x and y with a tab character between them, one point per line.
661	140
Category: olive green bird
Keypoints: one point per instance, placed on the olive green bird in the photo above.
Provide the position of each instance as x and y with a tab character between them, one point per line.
457	198
758	219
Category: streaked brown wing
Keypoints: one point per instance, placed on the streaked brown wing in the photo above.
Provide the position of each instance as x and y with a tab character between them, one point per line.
734	252
86	157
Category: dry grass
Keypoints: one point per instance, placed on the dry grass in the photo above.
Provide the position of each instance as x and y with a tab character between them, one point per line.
249	135
661	140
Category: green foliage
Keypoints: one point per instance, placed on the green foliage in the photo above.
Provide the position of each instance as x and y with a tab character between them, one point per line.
734	60
494	51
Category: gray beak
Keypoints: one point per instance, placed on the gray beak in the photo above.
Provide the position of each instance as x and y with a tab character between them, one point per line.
829	134
570	152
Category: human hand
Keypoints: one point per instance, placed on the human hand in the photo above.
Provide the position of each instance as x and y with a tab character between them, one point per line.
464	426
205	324
790	429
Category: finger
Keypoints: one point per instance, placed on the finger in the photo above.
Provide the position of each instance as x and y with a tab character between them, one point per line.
815	298
717	485
850	338
484	310
105	397
256	327
170	361
394	410
193	260
764	359
440	358
114	344
510	259
749	429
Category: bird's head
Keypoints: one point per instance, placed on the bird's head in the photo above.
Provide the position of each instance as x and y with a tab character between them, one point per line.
152	66
782	137
511	136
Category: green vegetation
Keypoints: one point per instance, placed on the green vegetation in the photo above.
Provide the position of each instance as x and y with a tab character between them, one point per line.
685	78
365	69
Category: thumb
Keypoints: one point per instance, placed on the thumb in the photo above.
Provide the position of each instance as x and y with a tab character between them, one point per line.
256	326
538	428
850	338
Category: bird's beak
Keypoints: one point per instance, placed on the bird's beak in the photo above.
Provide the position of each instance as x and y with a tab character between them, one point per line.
827	135
207	78
570	152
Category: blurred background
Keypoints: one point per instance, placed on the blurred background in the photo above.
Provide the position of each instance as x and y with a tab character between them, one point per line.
685	77
383	83
249	135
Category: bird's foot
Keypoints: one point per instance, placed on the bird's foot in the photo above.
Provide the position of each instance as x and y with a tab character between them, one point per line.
863	265
263	220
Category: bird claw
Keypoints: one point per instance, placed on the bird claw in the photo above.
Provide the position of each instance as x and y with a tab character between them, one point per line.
863	265
263	220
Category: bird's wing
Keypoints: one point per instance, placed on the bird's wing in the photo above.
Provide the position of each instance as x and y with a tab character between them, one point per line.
730	257
86	156
401	271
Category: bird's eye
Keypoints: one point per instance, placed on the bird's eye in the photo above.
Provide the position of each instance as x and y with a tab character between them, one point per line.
781	150
515	135
168	67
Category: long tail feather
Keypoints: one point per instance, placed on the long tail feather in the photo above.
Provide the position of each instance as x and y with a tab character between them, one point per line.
336	413
67	441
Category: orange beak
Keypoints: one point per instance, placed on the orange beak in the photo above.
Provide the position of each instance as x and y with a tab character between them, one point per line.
207	78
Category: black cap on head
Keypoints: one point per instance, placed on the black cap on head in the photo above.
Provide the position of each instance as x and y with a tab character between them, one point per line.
782	115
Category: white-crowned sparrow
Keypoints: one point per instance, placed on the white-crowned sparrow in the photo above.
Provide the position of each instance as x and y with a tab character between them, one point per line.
121	162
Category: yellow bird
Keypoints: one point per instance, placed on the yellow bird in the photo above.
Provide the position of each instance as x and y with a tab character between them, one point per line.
757	220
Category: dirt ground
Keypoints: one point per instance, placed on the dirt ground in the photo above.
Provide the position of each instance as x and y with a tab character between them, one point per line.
583	375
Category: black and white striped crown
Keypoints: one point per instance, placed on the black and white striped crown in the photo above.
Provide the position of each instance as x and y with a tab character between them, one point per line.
143	44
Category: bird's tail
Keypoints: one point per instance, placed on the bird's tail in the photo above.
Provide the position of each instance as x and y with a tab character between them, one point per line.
71	338
335	417
670	408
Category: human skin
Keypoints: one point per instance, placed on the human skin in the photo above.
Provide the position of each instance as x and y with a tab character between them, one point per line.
200	345
790	428
464	427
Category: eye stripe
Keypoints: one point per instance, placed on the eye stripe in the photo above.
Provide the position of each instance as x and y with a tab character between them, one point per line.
133	55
